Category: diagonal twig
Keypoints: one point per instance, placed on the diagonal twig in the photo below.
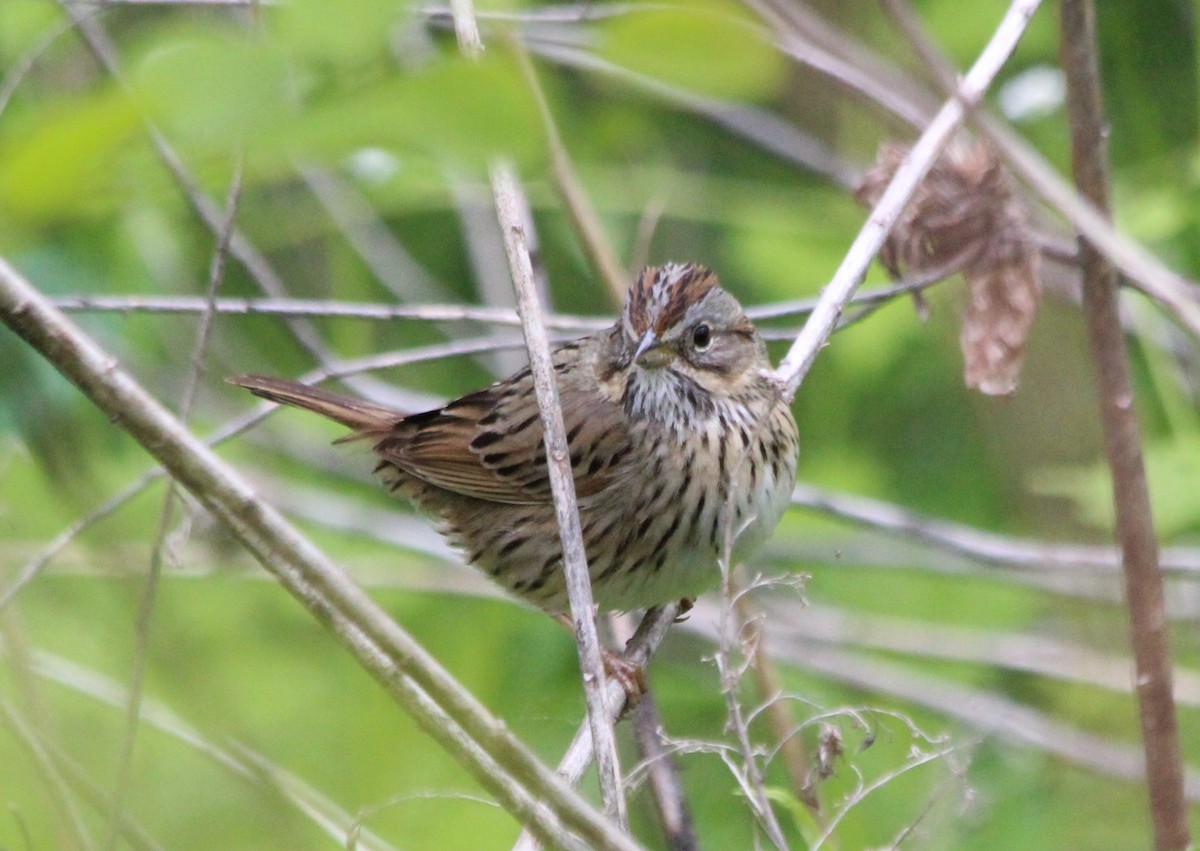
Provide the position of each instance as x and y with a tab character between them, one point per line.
446	711
74	831
820	325
733	657
1179	295
778	715
98	41
579	209
664	777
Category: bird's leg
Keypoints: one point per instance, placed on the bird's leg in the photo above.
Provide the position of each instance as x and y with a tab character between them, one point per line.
630	675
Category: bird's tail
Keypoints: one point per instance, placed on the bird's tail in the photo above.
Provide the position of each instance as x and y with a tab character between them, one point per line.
365	418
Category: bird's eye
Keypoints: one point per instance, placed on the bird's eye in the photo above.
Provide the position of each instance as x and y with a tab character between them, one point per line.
701	336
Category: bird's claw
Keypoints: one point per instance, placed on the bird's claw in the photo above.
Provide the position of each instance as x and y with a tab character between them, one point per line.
630	675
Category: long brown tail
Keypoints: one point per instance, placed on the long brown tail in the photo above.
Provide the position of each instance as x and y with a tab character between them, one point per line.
353	413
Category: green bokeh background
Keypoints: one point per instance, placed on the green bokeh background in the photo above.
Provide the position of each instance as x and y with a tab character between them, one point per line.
86	208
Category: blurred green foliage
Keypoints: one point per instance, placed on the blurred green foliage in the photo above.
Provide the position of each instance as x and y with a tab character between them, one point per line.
714	49
374	95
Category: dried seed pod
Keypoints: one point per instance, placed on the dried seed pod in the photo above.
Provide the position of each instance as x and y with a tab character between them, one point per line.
964	216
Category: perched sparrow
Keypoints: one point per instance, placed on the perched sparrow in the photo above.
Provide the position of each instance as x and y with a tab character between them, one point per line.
672	421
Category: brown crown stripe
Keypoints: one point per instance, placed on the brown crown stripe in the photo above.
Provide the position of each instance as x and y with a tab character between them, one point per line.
655	288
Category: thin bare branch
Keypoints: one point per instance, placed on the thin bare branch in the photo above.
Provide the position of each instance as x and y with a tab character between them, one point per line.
558	464
446	711
767	130
20	69
978	544
323	308
989	713
375	311
920	159
736	648
649	635
802	35
779	716
648	223
657	761
915	761
665	778
466	27
391	264
579	208
562	482
149	593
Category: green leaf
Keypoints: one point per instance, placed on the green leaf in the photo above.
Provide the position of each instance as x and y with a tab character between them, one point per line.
308	30
22	23
212	90
58	160
456	110
709	48
802	818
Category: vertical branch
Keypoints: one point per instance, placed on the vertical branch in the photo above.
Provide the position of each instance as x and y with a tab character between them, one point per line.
562	484
1122	438
579	209
665	777
466	28
558	455
778	716
733	657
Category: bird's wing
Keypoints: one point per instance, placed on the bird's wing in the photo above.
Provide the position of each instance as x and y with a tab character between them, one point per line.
488	445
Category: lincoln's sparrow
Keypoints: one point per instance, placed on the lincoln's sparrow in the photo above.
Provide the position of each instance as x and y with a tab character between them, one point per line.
672	421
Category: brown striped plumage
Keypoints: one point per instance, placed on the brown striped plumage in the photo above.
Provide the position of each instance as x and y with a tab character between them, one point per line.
672	420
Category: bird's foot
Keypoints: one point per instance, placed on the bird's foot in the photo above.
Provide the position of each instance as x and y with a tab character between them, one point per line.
630	675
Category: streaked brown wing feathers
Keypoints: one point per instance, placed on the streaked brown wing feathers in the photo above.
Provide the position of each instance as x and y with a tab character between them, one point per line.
488	445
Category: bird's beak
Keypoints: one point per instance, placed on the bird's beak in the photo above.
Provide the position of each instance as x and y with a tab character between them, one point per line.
652	353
